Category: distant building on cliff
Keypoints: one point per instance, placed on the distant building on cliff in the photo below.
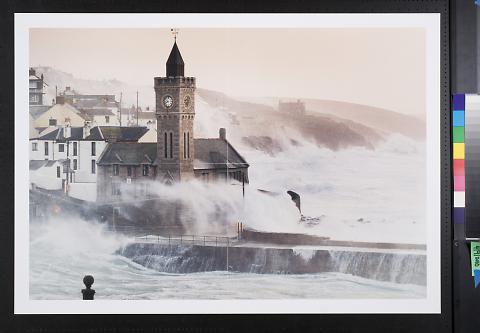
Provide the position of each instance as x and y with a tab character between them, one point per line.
297	107
177	155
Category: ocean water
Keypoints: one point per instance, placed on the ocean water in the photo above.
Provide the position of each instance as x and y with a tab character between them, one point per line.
63	251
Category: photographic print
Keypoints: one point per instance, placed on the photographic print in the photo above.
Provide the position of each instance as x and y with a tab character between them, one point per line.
227	163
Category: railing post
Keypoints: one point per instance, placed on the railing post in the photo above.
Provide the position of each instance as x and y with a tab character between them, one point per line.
227	253
193	239
168	239
216	241
204	240
88	293
180	239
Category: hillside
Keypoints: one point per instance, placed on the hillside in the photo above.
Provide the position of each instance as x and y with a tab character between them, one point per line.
331	124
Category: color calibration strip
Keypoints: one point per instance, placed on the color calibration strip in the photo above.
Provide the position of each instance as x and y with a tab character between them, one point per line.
458	135
472	165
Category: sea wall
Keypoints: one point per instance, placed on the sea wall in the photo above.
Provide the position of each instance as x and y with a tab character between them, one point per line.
178	258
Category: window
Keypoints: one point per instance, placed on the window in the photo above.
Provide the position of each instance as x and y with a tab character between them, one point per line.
165	145
75	165
146	170
115	170
33	98
75	149
58	172
171	145
46	148
32	84
94	149
94	166
184	145
129	171
52	122
115	188
107	119
34	146
188	144
61	147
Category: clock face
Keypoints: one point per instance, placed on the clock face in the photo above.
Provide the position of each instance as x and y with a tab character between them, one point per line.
168	101
187	101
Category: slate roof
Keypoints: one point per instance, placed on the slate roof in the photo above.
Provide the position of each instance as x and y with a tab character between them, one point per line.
209	154
91	103
145	115
58	135
37	164
97	112
212	154
128	153
37	110
116	133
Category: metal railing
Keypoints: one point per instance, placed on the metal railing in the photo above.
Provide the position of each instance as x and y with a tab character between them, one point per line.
199	240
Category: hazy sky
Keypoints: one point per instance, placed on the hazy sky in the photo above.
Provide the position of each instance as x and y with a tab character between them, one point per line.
383	67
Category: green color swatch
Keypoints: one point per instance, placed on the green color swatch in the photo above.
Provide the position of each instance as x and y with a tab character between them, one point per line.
475	254
458	134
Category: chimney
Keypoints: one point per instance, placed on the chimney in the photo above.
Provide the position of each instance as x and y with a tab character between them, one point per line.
31	71
151	125
67	130
222	133
86	129
67	88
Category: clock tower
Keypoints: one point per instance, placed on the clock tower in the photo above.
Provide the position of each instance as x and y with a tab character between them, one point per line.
175	112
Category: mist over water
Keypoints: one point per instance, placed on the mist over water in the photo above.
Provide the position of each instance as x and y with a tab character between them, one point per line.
63	251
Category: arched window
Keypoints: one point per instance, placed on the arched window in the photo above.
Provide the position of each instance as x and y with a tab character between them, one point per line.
171	144
184	145
165	145
188	144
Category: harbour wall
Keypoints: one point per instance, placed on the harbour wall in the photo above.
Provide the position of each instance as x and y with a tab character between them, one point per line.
180	258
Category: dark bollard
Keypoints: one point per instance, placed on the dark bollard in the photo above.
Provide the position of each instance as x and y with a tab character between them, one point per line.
88	293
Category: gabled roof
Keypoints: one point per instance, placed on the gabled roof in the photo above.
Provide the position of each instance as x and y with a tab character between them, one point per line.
145	115
37	110
37	164
116	133
97	112
128	153
209	154
58	135
212	154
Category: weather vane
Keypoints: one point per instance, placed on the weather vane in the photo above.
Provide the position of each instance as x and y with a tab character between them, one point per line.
174	33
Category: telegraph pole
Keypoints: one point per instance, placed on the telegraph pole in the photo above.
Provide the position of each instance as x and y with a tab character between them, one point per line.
120	111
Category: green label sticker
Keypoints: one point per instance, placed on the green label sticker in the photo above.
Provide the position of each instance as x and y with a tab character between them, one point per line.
475	254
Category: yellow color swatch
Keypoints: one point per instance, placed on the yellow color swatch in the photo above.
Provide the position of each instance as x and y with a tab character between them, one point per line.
459	151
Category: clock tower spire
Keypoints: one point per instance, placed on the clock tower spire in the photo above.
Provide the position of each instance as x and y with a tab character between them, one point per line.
175	112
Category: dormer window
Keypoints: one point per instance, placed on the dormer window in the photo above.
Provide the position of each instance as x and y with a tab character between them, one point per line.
52	122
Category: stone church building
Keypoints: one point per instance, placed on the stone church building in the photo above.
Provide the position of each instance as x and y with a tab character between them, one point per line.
177	155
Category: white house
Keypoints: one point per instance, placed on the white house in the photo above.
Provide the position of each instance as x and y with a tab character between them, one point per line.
59	115
68	155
